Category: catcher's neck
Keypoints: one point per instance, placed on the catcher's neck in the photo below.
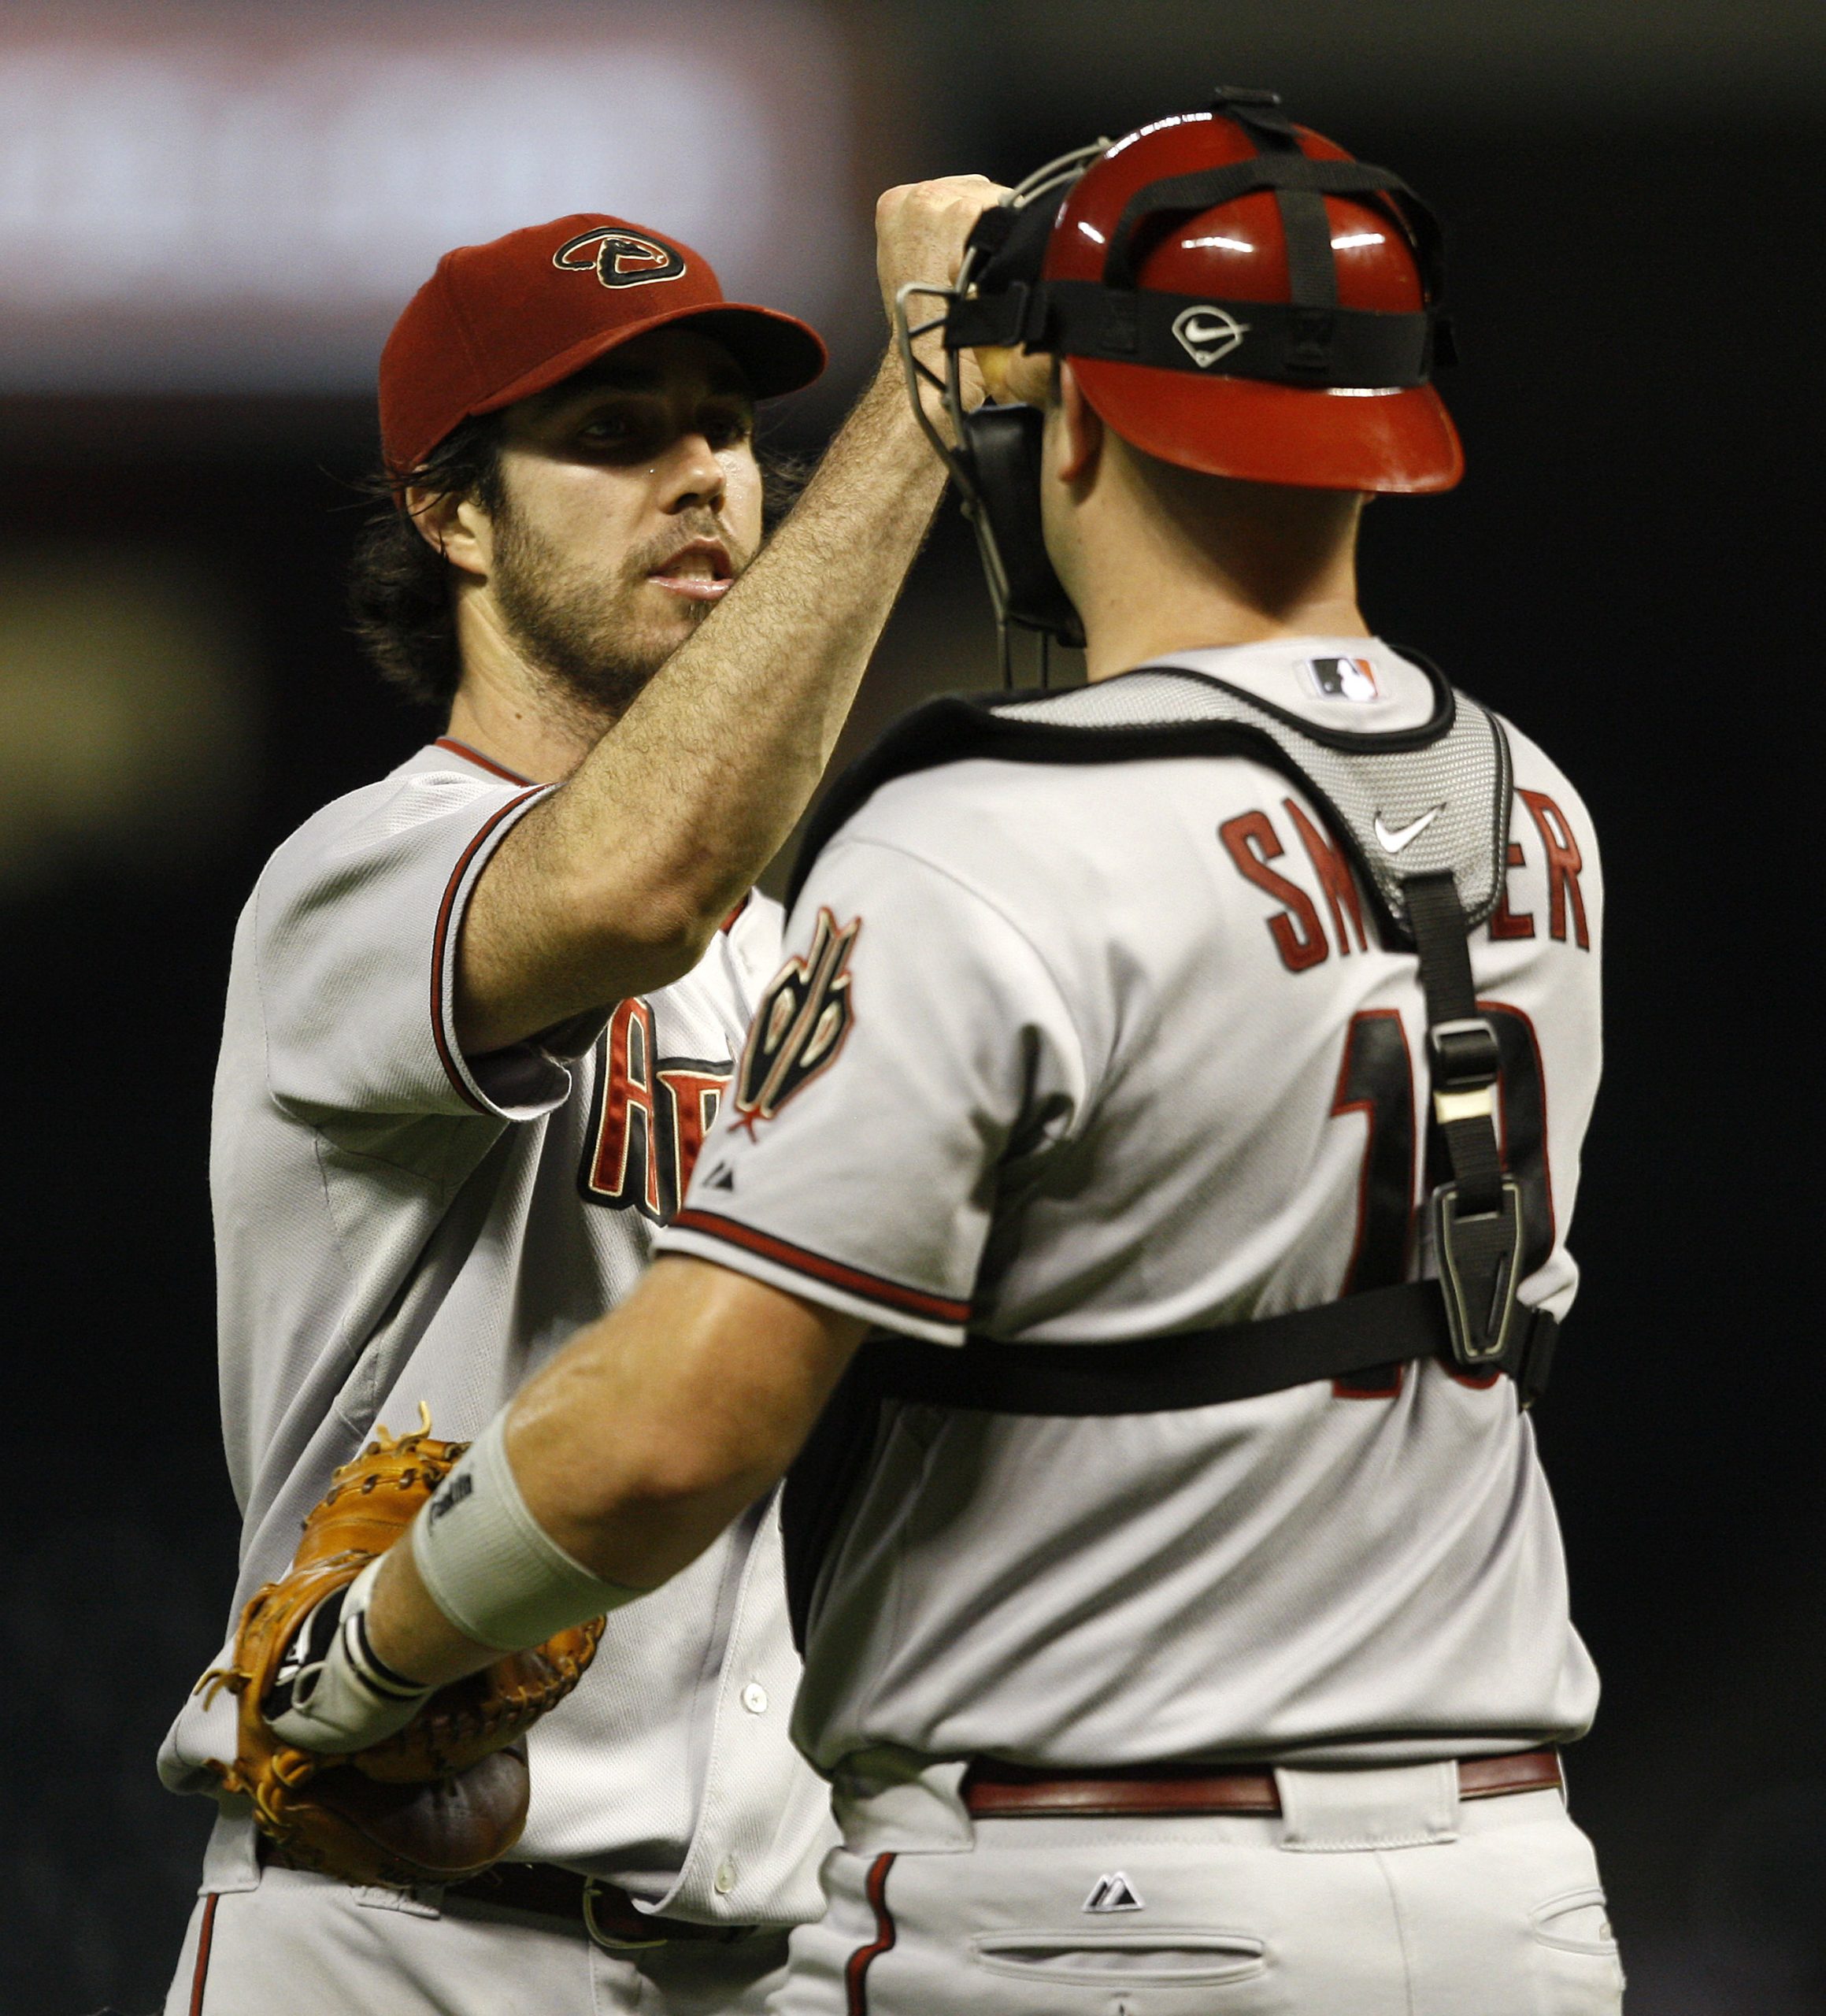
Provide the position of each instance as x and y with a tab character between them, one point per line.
1161	559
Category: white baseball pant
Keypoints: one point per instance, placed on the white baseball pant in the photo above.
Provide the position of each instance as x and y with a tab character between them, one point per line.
1374	1893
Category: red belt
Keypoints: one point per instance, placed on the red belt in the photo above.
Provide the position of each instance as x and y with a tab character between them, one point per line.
996	1792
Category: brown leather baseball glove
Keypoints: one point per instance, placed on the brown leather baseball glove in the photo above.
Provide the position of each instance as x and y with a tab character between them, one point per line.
447	1795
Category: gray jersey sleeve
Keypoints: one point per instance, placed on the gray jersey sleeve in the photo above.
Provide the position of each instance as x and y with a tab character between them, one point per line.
913	1061
353	930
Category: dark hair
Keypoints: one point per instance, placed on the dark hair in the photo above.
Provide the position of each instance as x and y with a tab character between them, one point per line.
399	584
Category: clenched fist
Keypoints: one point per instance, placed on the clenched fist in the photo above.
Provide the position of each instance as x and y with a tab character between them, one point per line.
920	231
921	227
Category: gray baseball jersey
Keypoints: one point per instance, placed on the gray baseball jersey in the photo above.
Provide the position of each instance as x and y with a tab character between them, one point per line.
1084	1052
397	1223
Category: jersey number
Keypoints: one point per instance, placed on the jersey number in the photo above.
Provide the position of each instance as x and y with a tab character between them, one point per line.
1377	1081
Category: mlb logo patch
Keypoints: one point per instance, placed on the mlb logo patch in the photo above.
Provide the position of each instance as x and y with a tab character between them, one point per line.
1343	679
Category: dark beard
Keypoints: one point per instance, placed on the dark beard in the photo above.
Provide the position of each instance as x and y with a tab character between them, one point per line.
579	635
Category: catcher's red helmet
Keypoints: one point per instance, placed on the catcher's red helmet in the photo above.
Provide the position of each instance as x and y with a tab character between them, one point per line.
1239	295
1236	294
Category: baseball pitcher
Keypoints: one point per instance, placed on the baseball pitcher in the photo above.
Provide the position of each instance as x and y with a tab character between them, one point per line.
481	1015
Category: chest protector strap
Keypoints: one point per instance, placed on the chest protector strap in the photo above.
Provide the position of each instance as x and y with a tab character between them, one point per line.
1469	1316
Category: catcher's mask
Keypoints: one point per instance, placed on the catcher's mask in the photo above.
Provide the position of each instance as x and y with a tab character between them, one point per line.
1237	295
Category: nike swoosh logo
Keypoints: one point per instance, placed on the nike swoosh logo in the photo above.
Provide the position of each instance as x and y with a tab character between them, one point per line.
1393	842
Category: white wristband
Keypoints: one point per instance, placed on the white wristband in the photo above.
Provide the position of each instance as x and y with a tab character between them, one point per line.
489	1565
346	1698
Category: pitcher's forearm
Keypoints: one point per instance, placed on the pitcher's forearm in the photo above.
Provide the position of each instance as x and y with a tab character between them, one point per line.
616	883
710	768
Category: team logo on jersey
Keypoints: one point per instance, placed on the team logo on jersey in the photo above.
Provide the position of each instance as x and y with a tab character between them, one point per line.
1205	333
1343	679
1114	1893
800	1025
619	258
651	1115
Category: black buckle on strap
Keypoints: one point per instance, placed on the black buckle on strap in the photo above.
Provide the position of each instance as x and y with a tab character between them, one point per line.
1479	1255
1232	98
1314	330
1535	1364
1462	1054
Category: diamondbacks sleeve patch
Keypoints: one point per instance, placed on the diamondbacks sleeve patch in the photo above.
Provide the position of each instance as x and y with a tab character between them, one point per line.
800	1025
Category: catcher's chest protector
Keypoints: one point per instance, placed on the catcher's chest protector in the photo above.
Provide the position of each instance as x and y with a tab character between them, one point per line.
1424	815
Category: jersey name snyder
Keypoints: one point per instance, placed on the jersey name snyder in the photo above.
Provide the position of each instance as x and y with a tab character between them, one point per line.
1084	1052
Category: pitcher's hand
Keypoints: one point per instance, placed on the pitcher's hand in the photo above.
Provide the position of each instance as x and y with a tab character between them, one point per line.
920	231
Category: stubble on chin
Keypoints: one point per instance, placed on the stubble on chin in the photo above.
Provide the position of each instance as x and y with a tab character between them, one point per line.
595	644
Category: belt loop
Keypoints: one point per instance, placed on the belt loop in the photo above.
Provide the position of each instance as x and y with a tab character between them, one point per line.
1403	1806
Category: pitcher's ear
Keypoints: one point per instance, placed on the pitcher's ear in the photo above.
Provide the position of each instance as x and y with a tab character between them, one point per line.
453	525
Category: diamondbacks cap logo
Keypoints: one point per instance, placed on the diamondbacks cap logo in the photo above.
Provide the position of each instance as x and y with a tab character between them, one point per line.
1206	334
1343	679
800	1025
619	258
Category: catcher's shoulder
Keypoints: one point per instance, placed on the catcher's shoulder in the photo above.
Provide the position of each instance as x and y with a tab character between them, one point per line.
985	818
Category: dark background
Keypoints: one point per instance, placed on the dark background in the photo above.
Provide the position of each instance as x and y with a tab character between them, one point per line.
1630	572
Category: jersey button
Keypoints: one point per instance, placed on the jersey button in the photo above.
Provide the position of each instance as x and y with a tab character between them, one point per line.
725	1878
754	1698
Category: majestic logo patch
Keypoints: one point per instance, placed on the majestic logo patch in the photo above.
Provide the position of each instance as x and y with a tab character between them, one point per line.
1113	1893
1206	334
619	259
1343	679
1394	839
800	1025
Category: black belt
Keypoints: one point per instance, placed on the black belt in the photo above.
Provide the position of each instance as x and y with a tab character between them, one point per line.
606	1912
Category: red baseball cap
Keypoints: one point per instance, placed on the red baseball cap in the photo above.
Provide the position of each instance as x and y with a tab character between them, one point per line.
499	322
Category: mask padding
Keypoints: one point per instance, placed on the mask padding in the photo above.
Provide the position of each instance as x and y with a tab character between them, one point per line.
1003	445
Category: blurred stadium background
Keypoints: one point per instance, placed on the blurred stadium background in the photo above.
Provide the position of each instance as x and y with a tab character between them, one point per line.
209	216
